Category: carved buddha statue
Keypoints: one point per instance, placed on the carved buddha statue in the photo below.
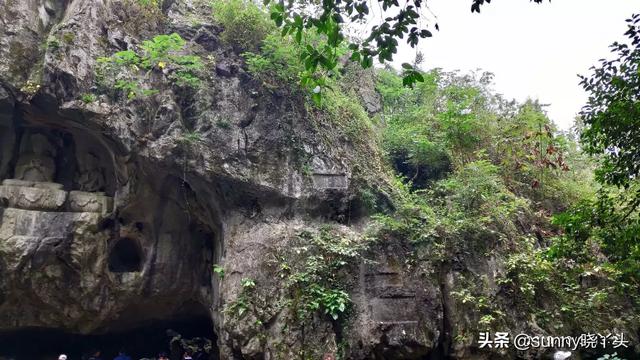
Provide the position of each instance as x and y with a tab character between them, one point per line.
89	176
36	160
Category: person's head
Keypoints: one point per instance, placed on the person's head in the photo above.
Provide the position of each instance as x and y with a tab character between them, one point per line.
162	356
97	352
122	352
328	356
62	357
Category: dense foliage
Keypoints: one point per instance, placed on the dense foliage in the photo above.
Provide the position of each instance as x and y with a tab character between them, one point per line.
611	132
612	115
482	176
477	174
245	24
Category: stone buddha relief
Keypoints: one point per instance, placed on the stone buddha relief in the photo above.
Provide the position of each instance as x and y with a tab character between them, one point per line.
89	176
36	160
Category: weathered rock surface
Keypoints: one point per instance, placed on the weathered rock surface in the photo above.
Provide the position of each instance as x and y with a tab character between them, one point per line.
111	216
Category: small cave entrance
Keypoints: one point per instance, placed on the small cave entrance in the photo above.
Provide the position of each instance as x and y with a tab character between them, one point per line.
142	342
126	256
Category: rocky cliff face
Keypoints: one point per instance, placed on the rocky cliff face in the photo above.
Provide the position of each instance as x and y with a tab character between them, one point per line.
115	211
113	215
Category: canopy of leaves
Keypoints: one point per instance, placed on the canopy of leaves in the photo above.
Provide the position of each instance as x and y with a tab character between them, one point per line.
612	115
450	120
611	120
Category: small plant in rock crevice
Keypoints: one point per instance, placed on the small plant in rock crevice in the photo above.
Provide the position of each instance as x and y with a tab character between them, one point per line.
219	270
191	137
88	98
30	88
52	43
68	38
223	124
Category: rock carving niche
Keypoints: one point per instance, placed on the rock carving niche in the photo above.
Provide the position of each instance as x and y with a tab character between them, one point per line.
126	256
36	161
45	157
89	176
56	170
390	300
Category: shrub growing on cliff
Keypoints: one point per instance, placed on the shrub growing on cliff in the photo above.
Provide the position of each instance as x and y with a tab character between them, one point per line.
88	98
582	294
245	25
130	71
280	65
277	64
313	281
278	60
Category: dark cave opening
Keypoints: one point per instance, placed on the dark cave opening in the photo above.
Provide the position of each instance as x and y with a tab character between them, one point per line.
142	342
126	256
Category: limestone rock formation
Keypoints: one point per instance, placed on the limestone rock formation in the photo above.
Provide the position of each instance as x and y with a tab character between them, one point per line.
112	219
112	216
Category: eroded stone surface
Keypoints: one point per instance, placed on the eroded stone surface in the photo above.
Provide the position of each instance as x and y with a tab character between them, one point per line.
330	181
33	198
81	201
228	199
